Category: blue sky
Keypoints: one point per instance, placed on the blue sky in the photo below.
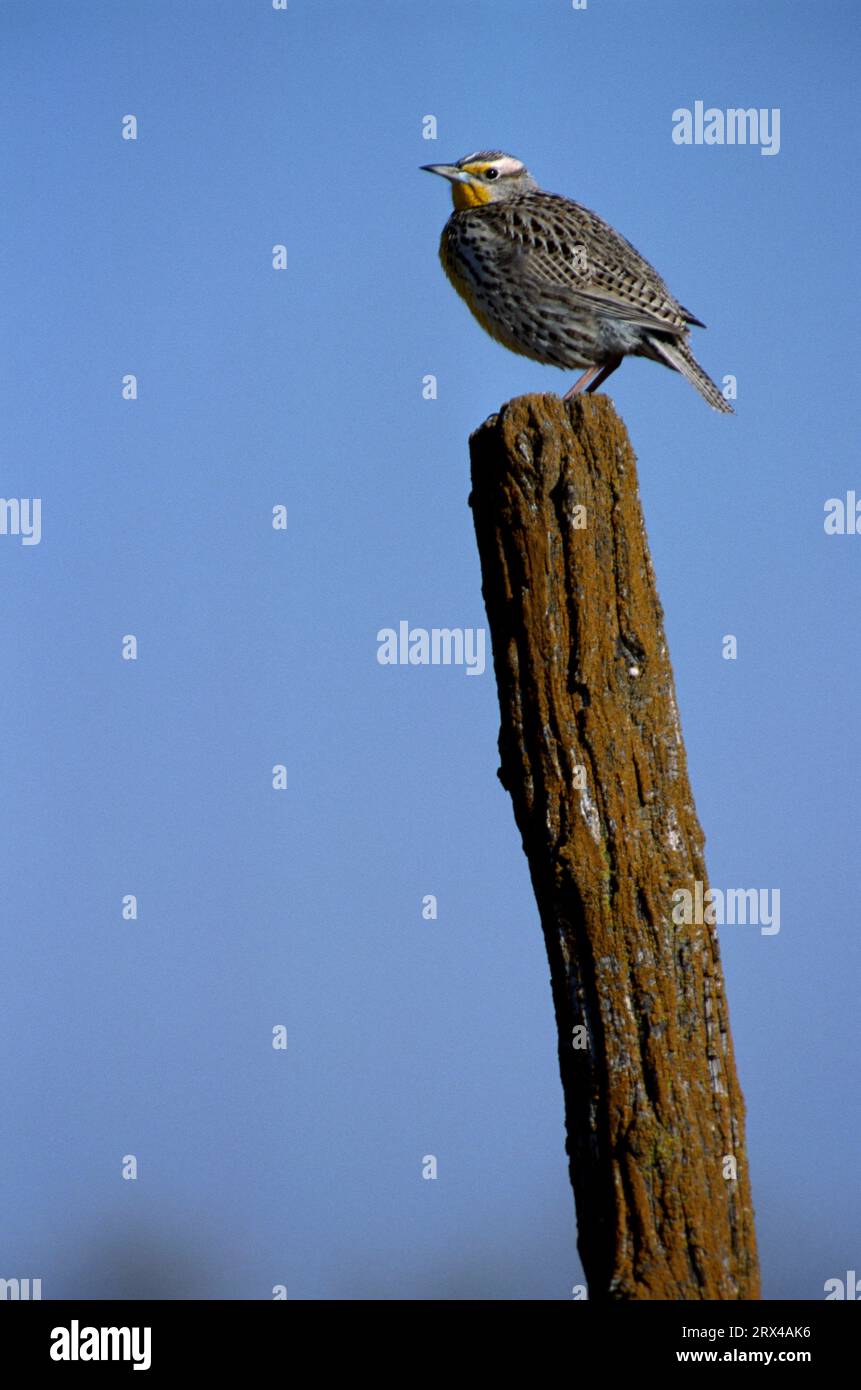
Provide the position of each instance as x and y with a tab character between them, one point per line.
303	388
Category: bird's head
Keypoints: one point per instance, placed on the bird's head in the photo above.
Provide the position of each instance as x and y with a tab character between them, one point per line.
488	176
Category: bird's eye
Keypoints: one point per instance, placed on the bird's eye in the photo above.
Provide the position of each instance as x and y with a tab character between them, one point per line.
491	173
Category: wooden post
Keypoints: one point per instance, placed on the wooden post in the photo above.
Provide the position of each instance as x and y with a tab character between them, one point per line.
591	751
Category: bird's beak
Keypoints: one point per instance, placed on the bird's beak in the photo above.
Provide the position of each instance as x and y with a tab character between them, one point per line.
448	171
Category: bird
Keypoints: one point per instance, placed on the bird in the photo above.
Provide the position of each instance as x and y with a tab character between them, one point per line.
553	281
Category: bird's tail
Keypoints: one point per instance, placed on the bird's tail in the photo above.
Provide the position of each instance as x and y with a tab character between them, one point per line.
678	355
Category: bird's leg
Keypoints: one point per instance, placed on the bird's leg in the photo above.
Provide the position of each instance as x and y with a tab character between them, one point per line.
581	382
607	370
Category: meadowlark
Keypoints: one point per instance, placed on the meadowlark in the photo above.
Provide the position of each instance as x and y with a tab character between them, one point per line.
551	280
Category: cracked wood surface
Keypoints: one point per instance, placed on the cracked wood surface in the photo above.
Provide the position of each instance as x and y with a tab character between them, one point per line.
591	752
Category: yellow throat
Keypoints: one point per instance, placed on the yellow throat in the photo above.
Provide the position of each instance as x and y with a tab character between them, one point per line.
469	195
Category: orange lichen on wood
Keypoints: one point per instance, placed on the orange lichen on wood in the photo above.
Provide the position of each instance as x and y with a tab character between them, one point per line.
591	752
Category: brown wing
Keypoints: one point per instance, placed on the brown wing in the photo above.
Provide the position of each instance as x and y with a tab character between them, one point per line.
562	250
